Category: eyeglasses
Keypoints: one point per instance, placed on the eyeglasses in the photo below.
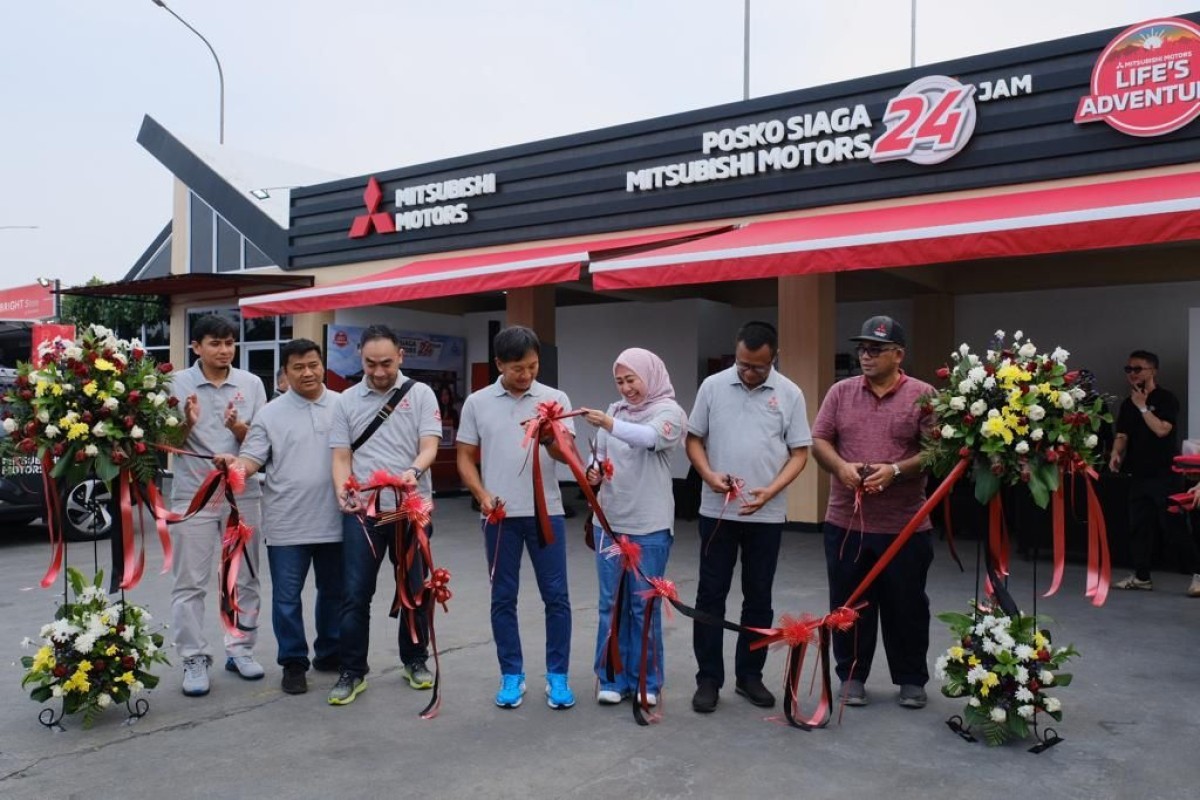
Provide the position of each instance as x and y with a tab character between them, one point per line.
873	350
759	370
1135	370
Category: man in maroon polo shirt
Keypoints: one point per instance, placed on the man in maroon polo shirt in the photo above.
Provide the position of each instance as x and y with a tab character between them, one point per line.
868	438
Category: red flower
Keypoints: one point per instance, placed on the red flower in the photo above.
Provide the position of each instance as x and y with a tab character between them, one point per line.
28	446
165	368
134	396
118	456
86	417
59	449
26	394
127	662
80	456
30	428
99	665
943	372
1043	655
139	448
59	671
969	419
936	433
997	468
23	381
1051	455
172	401
963	452
129	421
137	353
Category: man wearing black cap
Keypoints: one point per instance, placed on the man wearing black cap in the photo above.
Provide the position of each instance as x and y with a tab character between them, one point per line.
867	436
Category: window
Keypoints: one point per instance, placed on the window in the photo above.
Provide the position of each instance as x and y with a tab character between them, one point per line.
215	245
200	227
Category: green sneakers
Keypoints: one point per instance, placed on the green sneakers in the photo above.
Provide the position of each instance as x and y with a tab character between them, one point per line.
346	689
418	675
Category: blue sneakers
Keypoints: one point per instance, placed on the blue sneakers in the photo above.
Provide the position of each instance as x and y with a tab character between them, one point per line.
558	693
512	689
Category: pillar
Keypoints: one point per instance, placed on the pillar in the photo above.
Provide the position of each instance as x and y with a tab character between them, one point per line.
534	308
807	318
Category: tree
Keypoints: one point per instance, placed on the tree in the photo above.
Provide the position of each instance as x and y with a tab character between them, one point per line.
124	314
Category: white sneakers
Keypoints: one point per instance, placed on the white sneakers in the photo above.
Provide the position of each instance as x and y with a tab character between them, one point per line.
245	666
1194	589
195	676
608	697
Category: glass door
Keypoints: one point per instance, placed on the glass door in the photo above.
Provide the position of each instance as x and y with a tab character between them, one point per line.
260	358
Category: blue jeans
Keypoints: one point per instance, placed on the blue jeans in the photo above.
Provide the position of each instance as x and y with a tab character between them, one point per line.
360	568
289	570
656	549
517	534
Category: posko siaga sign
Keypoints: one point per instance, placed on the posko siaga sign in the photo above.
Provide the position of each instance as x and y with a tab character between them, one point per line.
1145	83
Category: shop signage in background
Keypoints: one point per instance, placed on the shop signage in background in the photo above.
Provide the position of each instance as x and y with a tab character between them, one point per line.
424	205
28	303
931	120
423	353
1146	83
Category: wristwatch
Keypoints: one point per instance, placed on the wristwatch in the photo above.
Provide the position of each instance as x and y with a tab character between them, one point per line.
417	471
895	472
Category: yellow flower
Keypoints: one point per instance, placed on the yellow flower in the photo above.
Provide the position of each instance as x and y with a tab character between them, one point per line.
104	365
128	678
111	651
1039	641
78	430
973	661
90	388
102	396
85	666
956	653
41	387
56	390
43	659
64	422
996	426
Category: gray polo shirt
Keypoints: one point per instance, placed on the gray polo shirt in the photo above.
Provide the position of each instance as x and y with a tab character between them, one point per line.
748	433
396	443
640	497
289	440
491	418
210	436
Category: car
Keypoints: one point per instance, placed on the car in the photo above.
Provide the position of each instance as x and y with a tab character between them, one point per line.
88	509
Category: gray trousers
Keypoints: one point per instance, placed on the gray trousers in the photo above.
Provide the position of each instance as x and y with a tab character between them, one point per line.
197	545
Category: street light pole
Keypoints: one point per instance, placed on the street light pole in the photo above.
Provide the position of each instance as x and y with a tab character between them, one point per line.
220	72
746	53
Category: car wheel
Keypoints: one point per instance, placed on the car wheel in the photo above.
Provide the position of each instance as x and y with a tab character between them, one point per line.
88	511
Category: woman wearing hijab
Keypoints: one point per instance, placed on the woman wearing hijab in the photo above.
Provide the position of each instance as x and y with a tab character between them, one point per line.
636	435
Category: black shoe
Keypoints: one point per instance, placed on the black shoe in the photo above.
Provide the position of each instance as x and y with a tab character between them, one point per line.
704	701
753	690
329	664
294	681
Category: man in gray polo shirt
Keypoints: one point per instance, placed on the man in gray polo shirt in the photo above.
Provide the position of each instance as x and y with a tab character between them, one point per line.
219	402
748	438
302	526
491	422
405	443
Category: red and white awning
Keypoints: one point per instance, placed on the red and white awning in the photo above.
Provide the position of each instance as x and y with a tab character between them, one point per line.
1121	213
485	272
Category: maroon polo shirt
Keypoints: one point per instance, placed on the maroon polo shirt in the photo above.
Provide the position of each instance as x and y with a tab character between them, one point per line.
875	430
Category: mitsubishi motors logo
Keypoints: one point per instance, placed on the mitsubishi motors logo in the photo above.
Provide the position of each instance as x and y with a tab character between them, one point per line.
374	218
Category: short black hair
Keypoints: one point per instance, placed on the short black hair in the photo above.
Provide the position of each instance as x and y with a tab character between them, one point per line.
214	326
1147	356
512	343
374	332
756	333
298	348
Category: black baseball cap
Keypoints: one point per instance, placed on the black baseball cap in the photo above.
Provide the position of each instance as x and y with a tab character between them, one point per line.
884	330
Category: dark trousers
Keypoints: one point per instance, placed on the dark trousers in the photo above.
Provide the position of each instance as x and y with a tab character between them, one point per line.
289	571
896	601
1148	516
362	553
719	545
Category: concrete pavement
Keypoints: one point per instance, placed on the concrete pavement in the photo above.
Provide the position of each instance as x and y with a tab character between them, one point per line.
1130	715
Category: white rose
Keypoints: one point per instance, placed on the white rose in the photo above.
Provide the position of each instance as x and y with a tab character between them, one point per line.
99	430
1066	401
1047	677
979	408
1053	704
958	403
1022	447
1091	441
966	387
118	387
972	359
964	349
1060	355
112	403
993	413
1035	412
56	691
998	715
10	425
948	432
1036	434
1078	393
73	352
999	334
1061	439
43	416
977	374
91	450
1026	711
149	382
989	382
52	431
1018	336
974	701
159	398
104	701
172	421
136	433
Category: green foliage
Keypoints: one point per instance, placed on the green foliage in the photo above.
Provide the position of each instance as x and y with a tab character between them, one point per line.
125	314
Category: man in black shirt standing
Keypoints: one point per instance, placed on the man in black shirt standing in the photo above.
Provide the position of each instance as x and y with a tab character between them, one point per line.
1144	449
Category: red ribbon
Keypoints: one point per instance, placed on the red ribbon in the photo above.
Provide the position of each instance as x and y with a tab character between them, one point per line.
54	522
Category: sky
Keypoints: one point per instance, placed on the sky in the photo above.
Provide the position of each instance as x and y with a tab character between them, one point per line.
360	86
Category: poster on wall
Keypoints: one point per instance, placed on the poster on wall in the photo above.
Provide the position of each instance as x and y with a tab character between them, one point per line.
431	358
